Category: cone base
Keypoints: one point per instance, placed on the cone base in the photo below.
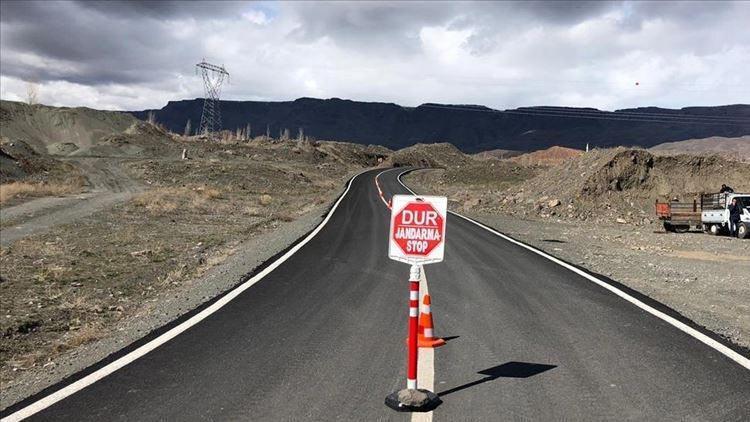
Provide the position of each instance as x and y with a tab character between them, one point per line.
419	400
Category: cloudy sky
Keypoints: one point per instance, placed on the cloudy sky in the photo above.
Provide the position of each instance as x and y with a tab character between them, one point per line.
138	55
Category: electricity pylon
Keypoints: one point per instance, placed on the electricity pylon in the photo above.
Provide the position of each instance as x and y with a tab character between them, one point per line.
213	78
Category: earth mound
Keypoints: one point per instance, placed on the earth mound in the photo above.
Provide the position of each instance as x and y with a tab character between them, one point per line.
20	162
442	155
547	157
620	183
497	154
59	130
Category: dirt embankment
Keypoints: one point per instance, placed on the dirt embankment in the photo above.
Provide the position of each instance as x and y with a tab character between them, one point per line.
497	154
621	185
59	130
547	157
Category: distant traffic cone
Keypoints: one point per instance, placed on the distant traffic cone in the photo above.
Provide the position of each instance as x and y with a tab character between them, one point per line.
426	335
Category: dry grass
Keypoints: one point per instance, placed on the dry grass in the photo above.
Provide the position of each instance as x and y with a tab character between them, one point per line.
76	303
286	216
219	257
157	201
252	211
24	189
174	277
265	200
51	273
167	200
83	335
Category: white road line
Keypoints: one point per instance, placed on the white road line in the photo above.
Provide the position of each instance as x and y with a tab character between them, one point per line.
726	351
95	376
380	191
426	361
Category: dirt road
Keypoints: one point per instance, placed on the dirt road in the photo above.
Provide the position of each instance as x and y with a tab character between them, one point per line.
109	184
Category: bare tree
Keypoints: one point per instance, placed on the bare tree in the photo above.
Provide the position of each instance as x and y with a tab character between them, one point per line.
301	135
268	132
188	129
152	117
32	93
248	134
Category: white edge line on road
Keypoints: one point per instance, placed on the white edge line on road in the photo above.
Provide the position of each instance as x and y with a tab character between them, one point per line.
108	369
426	360
380	191
726	351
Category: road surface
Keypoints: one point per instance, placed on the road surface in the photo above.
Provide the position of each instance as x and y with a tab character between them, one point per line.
321	337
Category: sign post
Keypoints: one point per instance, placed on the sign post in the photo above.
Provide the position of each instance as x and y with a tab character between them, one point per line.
416	237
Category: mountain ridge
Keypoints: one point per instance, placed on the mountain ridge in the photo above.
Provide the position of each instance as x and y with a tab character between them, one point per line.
472	128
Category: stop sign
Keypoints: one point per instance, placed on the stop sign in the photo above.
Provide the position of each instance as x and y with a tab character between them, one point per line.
417	233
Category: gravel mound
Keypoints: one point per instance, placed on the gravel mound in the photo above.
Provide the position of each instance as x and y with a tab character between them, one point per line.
442	155
49	129
547	157
620	183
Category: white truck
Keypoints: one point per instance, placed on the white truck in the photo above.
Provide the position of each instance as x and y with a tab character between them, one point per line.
715	213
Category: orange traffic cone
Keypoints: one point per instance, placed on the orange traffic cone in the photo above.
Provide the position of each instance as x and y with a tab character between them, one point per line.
425	332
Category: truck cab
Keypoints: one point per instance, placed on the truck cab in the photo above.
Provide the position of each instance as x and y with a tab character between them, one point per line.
715	213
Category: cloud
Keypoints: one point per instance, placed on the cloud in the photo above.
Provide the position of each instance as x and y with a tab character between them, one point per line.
164	9
134	55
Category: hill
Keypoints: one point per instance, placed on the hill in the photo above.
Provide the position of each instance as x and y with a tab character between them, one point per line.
59	130
470	128
732	148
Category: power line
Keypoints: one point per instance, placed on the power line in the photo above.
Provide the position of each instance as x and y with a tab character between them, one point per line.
579	115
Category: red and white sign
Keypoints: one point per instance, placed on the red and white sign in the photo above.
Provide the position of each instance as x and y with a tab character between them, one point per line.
417	234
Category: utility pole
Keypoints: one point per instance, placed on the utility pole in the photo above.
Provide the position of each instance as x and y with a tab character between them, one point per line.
213	78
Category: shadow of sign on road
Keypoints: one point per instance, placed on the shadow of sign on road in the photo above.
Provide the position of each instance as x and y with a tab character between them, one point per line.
507	370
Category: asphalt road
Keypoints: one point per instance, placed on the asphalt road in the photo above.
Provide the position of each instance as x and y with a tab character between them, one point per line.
322	338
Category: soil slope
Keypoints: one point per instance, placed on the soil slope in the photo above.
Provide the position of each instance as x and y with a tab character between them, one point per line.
59	130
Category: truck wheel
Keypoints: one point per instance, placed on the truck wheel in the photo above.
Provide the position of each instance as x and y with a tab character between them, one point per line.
742	231
668	227
714	229
681	229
